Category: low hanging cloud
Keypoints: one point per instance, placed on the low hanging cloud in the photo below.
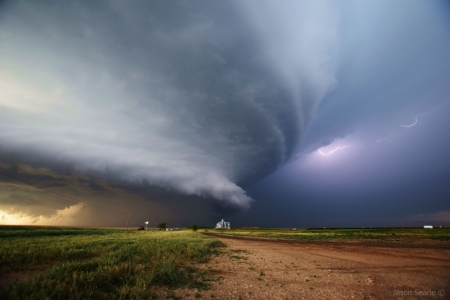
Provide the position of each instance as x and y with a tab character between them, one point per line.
64	217
200	98
44	197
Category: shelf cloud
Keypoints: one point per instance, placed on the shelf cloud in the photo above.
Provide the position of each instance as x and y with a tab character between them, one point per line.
199	98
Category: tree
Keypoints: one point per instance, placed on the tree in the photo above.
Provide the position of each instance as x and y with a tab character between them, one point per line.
162	225
194	227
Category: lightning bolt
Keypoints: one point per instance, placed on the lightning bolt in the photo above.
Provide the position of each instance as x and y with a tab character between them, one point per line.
411	125
407	126
332	151
383	139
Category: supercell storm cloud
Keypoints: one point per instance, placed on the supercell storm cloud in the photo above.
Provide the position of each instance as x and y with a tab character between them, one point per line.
198	97
307	111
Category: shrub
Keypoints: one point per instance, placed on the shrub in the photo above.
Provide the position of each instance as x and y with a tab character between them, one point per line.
162	225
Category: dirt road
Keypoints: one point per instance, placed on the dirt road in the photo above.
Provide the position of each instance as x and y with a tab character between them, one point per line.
256	269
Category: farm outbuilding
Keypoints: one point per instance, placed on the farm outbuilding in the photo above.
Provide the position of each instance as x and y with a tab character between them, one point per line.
223	225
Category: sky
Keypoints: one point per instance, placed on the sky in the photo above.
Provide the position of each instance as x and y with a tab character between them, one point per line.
265	113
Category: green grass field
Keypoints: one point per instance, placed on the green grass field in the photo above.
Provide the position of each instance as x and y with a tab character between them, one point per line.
64	263
379	234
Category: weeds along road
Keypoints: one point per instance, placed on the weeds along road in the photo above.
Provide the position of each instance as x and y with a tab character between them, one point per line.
253	268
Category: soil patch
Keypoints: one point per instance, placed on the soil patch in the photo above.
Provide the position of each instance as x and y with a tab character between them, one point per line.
11	277
253	268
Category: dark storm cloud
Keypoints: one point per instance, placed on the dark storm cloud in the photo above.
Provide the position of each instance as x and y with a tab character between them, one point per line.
390	111
393	65
197	97
188	102
42	197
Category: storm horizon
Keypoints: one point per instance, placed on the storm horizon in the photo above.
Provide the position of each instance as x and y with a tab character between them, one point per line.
270	114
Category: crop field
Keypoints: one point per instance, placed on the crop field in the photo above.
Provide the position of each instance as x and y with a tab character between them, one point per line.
73	263
376	234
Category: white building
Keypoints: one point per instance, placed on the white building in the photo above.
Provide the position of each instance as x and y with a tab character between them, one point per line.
223	225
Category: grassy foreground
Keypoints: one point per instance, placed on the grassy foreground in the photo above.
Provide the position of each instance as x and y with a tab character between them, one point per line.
61	263
379	234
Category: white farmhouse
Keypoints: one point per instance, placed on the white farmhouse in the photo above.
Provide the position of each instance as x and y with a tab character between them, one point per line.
223	225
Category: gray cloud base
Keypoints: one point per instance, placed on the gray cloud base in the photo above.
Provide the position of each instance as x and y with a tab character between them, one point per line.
200	98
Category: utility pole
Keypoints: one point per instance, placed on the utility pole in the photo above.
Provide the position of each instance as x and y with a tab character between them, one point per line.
128	219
